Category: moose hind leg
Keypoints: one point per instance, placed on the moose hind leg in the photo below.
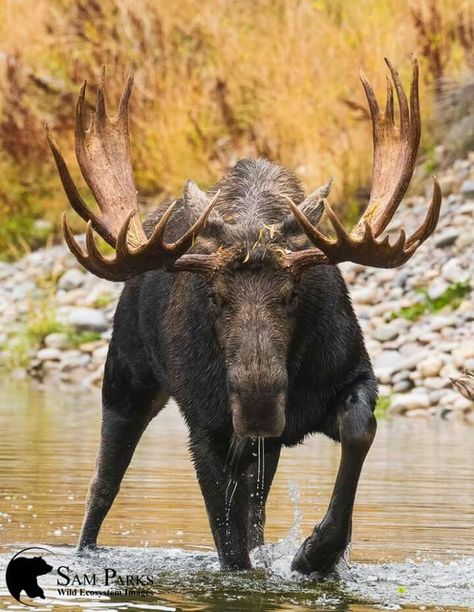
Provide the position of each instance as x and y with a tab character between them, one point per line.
355	427
128	407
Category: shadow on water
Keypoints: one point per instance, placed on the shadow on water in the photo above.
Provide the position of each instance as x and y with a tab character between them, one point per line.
413	530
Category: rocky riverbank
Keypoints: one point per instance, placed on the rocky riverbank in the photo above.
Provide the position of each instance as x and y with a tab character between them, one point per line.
418	321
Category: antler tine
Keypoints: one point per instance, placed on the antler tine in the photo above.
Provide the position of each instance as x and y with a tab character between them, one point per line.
402	99
431	220
73	194
186	241
389	106
122	111
100	110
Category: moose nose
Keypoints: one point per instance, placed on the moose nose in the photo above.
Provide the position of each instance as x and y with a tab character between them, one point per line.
258	414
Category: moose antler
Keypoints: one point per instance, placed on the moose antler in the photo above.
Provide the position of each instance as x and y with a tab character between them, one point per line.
103	154
395	149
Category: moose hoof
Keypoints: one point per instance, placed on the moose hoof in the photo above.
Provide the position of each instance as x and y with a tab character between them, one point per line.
318	554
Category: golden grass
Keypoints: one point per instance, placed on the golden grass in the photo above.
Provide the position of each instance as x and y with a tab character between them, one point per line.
216	80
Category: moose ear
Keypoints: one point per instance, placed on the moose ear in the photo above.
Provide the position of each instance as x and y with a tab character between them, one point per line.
196	201
312	207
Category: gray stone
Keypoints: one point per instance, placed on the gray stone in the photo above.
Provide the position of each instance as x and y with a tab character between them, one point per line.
71	279
365	295
453	272
463	354
100	354
87	319
57	341
386	363
467	188
386	332
403	386
23	290
437	287
411	401
446	238
48	354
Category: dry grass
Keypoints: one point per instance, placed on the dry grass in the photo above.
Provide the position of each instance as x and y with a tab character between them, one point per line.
215	81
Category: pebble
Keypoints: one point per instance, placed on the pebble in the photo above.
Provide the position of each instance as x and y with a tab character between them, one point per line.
430	367
57	341
71	279
446	238
463	354
49	354
386	332
467	188
87	319
453	272
365	295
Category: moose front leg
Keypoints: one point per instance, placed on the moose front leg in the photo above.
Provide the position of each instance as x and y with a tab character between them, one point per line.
128	407
259	475
226	495
355	427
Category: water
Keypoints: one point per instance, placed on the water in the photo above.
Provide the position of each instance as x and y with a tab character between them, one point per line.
413	537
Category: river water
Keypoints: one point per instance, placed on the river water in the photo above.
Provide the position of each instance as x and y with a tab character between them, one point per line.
413	536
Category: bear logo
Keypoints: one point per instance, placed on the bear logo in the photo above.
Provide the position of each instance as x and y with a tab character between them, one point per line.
22	574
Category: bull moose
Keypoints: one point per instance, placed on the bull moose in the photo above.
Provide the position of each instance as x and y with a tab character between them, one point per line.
233	305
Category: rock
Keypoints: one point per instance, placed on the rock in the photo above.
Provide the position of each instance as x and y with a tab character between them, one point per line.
437	287
446	238
430	367
71	279
410	401
439	322
87	319
90	347
462	403
449	371
453	272
48	354
386	363
417	413
435	383
463	354
57	341
403	385
449	397
386	332
100	354
365	295
467	188
21	291
447	184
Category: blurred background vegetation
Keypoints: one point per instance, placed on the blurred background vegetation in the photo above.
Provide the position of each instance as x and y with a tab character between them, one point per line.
218	80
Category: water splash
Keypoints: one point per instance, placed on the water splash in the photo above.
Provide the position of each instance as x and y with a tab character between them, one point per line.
191	580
